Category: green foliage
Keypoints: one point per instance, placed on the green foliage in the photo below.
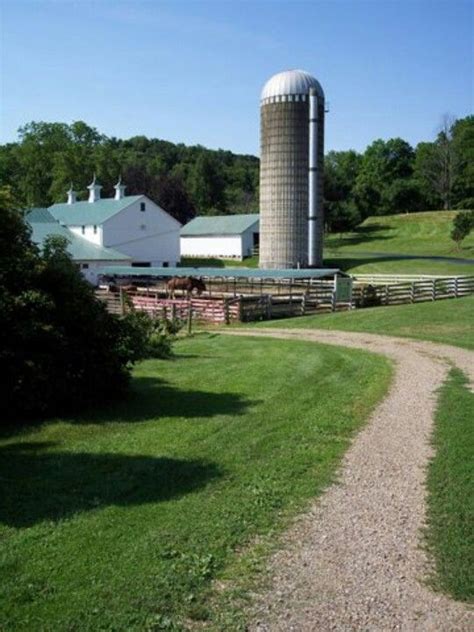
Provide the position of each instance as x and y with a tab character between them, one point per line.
450	528
340	173
389	177
59	347
148	336
183	180
463	223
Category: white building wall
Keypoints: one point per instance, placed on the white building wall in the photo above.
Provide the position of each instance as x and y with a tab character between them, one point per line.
94	236
247	240
92	269
146	236
212	246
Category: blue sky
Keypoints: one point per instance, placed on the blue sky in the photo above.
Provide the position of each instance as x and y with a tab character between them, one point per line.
192	72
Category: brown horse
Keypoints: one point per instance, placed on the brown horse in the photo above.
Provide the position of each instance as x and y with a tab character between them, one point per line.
185	283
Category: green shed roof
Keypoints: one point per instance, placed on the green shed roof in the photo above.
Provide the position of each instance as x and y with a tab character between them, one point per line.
43	225
219	225
87	213
231	273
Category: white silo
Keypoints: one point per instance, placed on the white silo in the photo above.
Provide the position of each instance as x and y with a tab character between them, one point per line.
291	171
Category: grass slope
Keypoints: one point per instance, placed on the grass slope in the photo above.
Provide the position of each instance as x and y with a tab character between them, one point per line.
121	519
450	321
423	234
450	531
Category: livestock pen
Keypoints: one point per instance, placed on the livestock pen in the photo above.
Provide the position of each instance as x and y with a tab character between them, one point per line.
232	294
245	295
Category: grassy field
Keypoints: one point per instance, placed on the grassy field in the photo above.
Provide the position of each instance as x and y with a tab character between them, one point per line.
411	234
450	531
135	517
450	321
378	246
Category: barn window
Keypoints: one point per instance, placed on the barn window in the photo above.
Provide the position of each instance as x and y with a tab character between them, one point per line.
95	229
84	266
142	206
166	264
83	230
143	226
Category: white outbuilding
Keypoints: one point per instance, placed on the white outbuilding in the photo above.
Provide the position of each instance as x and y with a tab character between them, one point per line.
133	225
226	236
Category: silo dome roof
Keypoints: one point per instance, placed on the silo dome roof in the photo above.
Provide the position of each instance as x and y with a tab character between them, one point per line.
290	82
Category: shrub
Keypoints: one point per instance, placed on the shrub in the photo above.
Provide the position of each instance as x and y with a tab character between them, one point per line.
149	337
463	223
59	348
368	297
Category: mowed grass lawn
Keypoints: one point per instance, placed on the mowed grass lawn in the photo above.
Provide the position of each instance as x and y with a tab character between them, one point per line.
123	519
450	321
450	524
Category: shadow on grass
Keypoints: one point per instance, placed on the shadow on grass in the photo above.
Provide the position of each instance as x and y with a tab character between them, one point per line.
201	262
362	235
347	263
37	483
149	399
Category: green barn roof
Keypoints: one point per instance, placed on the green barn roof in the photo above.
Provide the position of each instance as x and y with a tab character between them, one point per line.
219	225
230	273
43	225
87	213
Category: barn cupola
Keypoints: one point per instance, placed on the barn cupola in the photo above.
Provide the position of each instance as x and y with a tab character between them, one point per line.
119	189
94	190
71	195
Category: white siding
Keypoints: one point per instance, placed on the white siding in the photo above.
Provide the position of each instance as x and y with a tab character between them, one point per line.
247	240
212	246
94	268
146	236
89	234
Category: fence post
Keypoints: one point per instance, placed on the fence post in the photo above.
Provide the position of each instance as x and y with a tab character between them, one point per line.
122	302
303	305
226	312
190	319
412	294
456	294
433	289
173	313
333	301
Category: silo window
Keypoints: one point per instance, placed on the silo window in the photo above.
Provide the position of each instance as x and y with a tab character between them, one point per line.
142	206
95	229
83	230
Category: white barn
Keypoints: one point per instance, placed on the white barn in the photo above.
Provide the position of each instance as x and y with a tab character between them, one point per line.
226	236
90	257
133	225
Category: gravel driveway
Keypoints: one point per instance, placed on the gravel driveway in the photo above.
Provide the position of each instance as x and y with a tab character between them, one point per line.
354	561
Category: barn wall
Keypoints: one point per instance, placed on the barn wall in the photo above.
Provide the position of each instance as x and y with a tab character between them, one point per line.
247	240
146	236
218	246
94	268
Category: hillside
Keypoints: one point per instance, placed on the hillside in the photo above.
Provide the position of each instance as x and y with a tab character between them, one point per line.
401	244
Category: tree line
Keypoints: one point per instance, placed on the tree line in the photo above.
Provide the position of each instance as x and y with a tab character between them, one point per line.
391	176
